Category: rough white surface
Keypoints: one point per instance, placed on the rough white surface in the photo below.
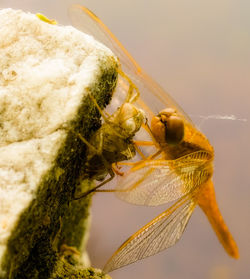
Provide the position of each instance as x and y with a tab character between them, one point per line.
41	74
44	70
21	166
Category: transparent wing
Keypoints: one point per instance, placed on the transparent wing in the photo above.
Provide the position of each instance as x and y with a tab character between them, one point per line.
85	20
155	182
161	233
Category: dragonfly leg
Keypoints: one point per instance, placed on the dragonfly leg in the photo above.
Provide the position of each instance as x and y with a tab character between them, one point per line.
133	91
90	146
148	130
143	143
105	117
116	169
138	143
111	173
87	143
98	151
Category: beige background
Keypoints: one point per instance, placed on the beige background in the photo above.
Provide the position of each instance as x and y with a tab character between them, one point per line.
200	52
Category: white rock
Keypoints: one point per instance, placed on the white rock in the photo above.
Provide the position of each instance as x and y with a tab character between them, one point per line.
45	71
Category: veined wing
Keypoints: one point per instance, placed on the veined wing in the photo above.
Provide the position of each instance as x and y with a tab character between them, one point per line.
162	232
155	182
85	20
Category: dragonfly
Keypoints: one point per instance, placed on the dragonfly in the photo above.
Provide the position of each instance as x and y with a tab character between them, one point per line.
180	169
113	141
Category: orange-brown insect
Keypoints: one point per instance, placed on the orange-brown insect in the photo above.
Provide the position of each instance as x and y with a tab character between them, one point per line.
180	169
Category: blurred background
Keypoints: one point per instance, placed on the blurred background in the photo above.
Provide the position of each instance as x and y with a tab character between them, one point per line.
199	51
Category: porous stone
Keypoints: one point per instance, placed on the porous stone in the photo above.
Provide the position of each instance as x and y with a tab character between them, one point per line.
46	74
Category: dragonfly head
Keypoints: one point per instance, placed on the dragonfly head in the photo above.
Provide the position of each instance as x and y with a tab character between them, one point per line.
168	127
130	118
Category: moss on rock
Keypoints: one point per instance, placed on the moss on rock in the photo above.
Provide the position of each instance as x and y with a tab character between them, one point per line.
53	218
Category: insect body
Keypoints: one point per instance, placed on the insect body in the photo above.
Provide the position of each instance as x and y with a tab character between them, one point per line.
113	141
180	169
183	171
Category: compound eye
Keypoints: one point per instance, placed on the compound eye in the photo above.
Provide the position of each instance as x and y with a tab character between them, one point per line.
174	131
